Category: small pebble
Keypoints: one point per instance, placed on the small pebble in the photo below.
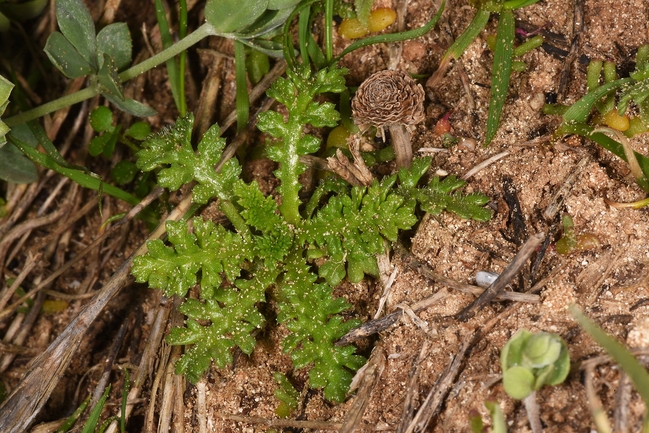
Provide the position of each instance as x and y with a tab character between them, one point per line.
485	278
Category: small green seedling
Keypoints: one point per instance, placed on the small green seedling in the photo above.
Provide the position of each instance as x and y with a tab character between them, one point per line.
286	394
101	120
530	361
631	366
571	241
498	422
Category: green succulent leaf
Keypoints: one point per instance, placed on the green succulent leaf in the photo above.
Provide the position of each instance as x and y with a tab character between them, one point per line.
101	119
530	361
518	382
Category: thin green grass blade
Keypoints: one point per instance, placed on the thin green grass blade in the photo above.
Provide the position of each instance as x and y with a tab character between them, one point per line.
329	17
581	109
631	366
501	72
77	176
127	385
167	41
242	100
93	419
182	58
303	34
72	419
460	45
394	37
607	143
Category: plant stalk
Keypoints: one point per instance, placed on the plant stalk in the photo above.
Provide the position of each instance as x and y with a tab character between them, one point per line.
532	409
401	144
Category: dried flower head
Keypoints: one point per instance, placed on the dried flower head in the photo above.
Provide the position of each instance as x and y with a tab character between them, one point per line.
388	97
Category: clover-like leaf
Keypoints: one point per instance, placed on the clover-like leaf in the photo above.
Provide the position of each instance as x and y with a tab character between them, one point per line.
114	40
77	26
65	56
227	16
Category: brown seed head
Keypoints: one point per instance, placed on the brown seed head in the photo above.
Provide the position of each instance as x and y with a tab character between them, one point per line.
388	97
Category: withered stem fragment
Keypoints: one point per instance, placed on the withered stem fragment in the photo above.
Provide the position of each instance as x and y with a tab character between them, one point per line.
402	145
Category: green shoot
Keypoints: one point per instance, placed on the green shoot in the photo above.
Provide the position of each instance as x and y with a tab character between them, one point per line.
571	241
95	413
175	69
631	366
530	361
72	419
287	396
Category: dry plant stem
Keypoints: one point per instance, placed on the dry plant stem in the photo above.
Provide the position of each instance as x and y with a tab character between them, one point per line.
416	265
201	406
533	413
504	279
20	229
387	276
355	173
32	261
25	402
577	27
556	202
412	390
149	357
170	393
594	403
209	90
159	375
25	328
442	386
371	374
131	214
108	362
24	202
622	404
178	425
484	164
374	326
401	143
41	211
466	84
